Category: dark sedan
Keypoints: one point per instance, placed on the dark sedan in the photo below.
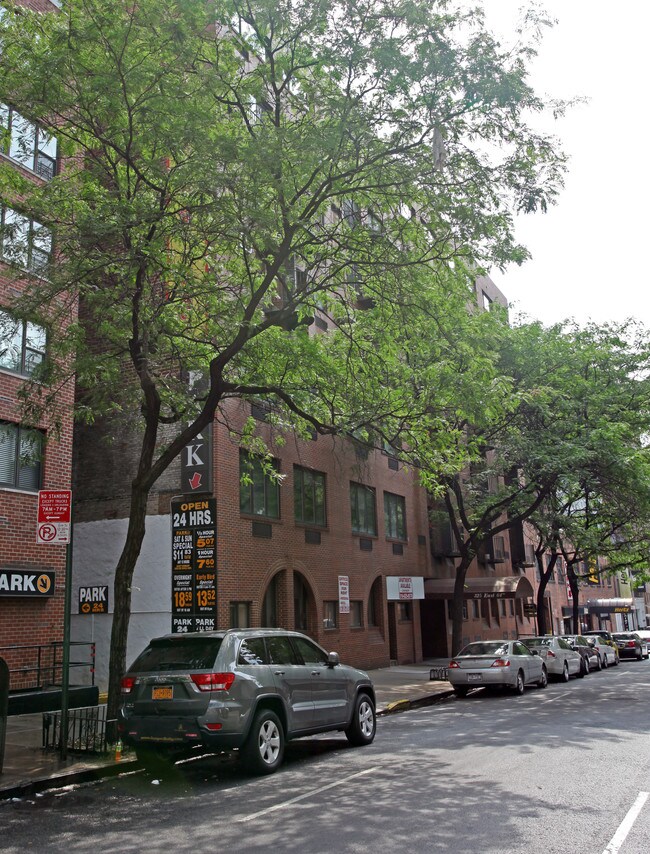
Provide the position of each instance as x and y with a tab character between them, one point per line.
629	645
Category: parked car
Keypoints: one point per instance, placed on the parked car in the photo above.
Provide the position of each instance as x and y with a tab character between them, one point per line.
606	635
606	654
590	660
644	634
251	689
499	663
630	645
561	660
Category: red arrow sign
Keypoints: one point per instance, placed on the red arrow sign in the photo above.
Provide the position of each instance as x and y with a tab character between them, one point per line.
195	480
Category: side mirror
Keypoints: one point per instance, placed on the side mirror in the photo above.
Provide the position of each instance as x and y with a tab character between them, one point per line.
535	651
333	659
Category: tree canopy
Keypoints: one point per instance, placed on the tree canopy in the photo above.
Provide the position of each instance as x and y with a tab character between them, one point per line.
233	170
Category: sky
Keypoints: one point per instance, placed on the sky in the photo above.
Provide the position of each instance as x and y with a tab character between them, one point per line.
589	250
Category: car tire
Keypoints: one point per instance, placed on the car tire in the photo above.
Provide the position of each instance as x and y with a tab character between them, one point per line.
605	662
584	667
520	684
364	722
600	663
264	748
565	672
543	681
461	692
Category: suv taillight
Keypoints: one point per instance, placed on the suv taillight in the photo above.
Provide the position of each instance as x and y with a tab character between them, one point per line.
213	681
127	684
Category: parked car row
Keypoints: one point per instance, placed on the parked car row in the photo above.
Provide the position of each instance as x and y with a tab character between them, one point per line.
531	661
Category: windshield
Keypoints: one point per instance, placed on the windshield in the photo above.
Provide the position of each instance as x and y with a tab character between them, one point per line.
537	641
485	648
178	653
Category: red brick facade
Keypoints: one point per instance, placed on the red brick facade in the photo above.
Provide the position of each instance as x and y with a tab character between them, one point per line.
30	621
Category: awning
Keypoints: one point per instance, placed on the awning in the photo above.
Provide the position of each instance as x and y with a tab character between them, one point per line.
504	587
616	605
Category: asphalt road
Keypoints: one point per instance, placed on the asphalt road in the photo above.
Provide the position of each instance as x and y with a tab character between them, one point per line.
565	770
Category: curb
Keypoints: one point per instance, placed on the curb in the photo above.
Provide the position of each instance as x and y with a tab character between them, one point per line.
405	705
85	775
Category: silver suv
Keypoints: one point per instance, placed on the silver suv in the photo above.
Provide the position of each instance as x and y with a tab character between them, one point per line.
251	689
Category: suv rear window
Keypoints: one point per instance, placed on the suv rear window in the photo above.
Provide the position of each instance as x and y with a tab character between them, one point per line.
177	654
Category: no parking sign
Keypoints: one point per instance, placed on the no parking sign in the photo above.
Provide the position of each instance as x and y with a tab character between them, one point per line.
53	522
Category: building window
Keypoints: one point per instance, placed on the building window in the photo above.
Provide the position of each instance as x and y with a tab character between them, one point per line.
240	615
405	612
502	607
476	609
356	614
395	516
27	143
21	452
22	344
23	241
259	493
330	614
363	509
309	496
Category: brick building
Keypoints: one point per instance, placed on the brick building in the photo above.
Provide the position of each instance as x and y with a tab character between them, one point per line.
31	457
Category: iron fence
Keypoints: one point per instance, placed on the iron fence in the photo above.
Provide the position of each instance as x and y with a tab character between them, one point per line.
41	665
86	730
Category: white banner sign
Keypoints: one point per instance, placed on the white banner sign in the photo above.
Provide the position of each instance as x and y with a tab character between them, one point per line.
404	587
344	594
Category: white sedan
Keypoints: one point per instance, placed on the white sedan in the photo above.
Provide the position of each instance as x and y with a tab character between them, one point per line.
606	653
500	663
562	661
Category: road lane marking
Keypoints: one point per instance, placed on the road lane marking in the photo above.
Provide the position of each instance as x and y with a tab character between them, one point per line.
305	795
626	825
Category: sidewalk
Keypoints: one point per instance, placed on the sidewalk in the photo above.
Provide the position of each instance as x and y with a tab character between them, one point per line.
28	768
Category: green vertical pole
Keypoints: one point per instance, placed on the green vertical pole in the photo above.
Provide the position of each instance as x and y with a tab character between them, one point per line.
65	676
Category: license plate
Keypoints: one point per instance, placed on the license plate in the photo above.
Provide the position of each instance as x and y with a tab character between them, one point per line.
474	677
162	692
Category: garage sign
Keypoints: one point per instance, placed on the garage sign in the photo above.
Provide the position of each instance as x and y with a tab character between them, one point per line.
93	600
21	582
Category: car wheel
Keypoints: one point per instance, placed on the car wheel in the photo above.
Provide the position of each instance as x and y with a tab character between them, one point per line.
565	672
520	685
600	663
364	722
584	668
605	662
543	680
264	748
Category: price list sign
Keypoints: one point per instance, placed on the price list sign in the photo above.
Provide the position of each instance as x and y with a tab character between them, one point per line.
194	565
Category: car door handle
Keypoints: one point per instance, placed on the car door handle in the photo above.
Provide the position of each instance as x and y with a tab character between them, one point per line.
279	672
315	673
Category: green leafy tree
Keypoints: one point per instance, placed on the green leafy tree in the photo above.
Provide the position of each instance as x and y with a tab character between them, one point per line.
233	169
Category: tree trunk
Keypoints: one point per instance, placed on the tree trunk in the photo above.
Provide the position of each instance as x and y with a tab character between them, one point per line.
457	605
122	603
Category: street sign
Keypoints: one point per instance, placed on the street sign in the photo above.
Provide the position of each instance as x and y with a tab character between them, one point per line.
53	519
196	464
93	600
23	582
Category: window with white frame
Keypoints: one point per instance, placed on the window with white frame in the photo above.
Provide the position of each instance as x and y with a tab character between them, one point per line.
22	344
24	241
27	143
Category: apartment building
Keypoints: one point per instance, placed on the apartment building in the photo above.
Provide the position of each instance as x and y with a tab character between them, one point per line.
32	456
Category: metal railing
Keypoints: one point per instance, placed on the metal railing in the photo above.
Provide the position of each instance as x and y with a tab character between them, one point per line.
40	665
86	730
